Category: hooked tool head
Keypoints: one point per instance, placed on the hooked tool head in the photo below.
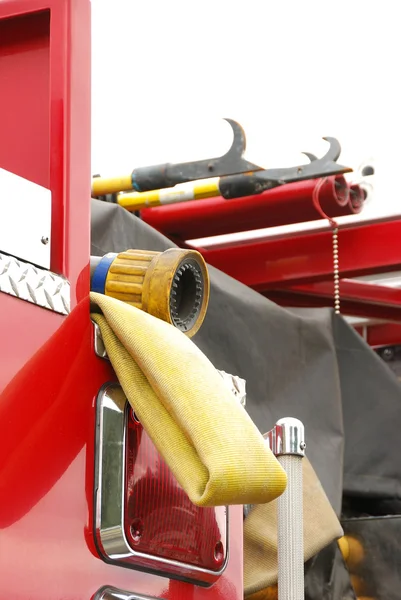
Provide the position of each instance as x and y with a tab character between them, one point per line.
317	167
232	162
238	145
257	182
311	156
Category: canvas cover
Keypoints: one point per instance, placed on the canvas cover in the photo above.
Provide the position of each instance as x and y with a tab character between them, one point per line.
305	363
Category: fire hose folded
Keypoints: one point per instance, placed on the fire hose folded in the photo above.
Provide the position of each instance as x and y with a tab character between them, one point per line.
209	442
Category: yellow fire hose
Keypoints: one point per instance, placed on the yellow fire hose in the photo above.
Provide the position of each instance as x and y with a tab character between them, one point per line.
208	440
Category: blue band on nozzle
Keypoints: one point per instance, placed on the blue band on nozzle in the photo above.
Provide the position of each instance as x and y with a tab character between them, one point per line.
98	282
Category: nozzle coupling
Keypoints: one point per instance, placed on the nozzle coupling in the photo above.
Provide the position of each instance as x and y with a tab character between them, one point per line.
172	285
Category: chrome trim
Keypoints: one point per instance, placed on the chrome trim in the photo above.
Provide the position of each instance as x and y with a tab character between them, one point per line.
112	544
236	385
33	284
98	344
287	437
110	593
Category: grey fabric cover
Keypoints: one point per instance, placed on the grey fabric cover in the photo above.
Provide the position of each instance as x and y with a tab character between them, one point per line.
306	363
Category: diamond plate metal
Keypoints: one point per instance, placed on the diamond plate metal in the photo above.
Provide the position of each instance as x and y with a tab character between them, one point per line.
35	285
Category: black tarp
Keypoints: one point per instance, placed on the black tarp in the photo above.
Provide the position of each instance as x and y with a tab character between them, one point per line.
378	573
327	576
306	363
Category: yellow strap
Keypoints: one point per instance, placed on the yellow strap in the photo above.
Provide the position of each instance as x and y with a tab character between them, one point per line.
209	442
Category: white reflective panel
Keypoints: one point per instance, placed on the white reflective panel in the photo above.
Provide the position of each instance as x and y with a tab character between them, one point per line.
25	219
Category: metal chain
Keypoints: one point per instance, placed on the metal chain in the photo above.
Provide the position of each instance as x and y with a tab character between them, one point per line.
336	269
336	272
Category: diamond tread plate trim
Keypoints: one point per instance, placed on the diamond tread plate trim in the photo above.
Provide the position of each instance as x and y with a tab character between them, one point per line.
33	284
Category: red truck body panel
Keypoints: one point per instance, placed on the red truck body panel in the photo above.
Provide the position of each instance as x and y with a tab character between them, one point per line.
50	375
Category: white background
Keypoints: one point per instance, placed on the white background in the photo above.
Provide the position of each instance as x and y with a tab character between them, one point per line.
166	72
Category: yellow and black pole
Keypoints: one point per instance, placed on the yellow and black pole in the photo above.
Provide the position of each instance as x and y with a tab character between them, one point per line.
102	186
167	175
196	190
236	185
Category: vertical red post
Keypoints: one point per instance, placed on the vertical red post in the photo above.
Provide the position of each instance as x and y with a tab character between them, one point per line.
45	108
45	117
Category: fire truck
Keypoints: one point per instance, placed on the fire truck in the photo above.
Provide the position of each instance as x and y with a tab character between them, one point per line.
77	522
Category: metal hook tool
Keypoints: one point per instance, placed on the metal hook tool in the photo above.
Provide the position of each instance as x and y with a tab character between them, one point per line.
168	175
240	184
254	183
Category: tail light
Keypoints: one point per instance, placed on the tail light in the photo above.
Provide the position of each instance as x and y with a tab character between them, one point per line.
144	519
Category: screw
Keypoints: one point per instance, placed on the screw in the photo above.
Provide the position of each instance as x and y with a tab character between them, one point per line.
302	445
136	530
44	240
388	354
219	552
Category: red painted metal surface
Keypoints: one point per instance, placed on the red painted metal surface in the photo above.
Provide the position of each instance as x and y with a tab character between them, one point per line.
351	289
49	375
385	334
46	483
45	137
45	114
348	307
25	112
272	263
290	203
357	298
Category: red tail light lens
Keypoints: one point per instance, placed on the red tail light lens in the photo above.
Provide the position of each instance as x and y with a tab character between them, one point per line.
160	520
142	518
